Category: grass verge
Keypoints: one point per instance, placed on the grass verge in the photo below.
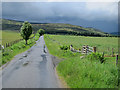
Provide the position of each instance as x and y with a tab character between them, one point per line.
82	72
15	49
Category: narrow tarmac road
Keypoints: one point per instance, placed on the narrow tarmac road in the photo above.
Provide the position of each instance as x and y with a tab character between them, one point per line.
31	69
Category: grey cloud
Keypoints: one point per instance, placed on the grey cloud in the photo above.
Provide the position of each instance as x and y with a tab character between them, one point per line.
73	13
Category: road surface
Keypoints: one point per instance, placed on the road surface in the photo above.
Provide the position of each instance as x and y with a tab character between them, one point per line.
31	69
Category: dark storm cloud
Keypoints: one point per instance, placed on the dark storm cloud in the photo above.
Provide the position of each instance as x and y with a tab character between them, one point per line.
39	10
84	14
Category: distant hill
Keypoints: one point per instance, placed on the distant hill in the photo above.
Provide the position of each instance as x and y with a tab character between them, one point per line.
115	33
54	28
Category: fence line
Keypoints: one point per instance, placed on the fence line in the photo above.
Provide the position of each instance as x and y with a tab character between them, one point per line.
9	44
87	49
54	40
0	46
116	59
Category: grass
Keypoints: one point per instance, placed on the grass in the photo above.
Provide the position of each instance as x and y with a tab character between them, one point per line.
103	44
84	73
9	36
0	36
54	28
81	73
15	49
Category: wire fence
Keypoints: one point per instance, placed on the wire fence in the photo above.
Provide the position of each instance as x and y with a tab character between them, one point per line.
9	44
2	47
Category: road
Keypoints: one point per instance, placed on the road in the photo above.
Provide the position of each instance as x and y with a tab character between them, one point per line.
31	69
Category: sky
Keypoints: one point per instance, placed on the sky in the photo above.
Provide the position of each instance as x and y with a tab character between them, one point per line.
100	15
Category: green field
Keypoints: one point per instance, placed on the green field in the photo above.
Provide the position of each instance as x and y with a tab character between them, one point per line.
55	28
85	72
103	44
17	48
9	36
0	36
9	52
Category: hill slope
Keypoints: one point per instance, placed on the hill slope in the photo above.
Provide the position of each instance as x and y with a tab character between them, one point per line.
54	28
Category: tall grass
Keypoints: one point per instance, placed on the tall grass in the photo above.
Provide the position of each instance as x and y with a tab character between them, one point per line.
81	73
84	73
103	44
9	36
17	48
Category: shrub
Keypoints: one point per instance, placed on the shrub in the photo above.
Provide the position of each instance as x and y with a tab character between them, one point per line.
86	74
19	47
41	32
5	53
26	30
96	57
36	36
64	47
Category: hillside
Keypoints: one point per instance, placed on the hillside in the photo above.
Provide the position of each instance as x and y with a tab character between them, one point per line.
115	33
54	28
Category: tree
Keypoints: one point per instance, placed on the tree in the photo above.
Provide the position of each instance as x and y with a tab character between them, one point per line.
41	32
26	30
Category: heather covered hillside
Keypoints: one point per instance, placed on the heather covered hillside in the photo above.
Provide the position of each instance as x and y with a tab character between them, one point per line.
54	28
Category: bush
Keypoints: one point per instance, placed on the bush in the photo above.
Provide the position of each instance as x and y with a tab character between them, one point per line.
37	36
86	74
26	31
19	47
96	57
5	54
64	47
41	32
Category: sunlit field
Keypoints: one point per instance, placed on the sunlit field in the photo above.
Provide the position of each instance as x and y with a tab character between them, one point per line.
103	44
87	72
9	36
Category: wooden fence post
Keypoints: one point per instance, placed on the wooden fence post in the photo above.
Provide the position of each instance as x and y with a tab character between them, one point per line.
103	54
87	49
8	44
108	49
94	49
0	47
83	49
3	48
4	45
116	59
112	52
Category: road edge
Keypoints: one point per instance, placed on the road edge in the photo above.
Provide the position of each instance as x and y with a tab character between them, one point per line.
56	61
